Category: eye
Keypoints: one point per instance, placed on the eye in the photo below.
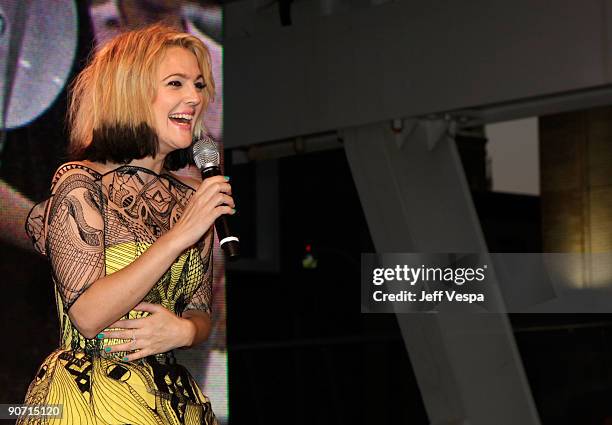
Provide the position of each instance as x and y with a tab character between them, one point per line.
200	85
175	83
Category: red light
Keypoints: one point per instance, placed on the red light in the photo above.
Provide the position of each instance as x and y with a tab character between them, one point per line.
307	247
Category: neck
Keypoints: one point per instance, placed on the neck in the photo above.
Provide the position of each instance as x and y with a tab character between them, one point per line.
154	164
141	13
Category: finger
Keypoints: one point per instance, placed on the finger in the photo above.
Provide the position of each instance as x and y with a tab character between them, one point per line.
214	190
145	306
126	346
212	197
225	200
216	179
136	355
224	209
128	323
212	181
118	335
225	188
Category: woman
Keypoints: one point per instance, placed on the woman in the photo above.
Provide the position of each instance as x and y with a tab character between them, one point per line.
130	244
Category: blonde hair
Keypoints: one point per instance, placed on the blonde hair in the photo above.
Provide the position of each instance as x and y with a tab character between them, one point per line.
117	87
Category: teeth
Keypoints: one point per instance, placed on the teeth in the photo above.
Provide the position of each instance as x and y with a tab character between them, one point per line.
183	116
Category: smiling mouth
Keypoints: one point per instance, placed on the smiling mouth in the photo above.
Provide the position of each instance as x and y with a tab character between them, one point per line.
181	119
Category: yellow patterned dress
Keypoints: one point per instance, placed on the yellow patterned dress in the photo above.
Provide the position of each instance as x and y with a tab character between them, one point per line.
95	224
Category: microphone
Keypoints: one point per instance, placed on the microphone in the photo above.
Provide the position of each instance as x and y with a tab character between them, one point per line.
206	158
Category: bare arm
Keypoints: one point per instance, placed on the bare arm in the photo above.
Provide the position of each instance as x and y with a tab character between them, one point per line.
200	327
119	292
159	332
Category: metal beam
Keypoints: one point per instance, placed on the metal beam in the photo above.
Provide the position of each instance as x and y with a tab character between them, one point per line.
416	199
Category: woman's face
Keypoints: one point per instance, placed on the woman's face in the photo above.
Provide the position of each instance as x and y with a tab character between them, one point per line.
179	99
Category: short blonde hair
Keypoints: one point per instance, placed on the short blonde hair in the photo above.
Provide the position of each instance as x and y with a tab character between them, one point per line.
117	87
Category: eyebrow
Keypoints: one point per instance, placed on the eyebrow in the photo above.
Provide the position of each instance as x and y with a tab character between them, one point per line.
182	76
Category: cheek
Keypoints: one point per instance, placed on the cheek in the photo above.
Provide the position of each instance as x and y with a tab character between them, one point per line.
160	112
160	119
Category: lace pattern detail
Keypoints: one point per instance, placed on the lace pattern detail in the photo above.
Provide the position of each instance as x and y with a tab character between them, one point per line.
95	224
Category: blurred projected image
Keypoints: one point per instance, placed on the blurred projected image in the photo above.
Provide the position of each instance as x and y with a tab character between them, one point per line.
30	82
33	80
38	46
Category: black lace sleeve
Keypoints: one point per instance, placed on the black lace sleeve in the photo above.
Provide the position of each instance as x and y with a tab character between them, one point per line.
202	297
35	226
75	232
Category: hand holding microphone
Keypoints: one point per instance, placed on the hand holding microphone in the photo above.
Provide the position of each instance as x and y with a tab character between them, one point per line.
206	158
211	203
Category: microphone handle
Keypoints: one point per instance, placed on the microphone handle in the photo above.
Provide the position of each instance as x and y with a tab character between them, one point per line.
228	241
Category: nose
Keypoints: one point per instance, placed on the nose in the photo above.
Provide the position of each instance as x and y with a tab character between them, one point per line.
192	96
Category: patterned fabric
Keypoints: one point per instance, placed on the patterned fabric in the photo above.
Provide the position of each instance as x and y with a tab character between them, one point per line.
95	224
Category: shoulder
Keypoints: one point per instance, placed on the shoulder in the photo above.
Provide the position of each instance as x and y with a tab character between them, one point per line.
87	168
75	175
75	190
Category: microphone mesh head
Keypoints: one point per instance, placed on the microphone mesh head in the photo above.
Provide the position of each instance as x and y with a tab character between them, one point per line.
205	153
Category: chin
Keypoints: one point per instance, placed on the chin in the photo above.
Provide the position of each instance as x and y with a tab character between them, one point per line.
175	145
